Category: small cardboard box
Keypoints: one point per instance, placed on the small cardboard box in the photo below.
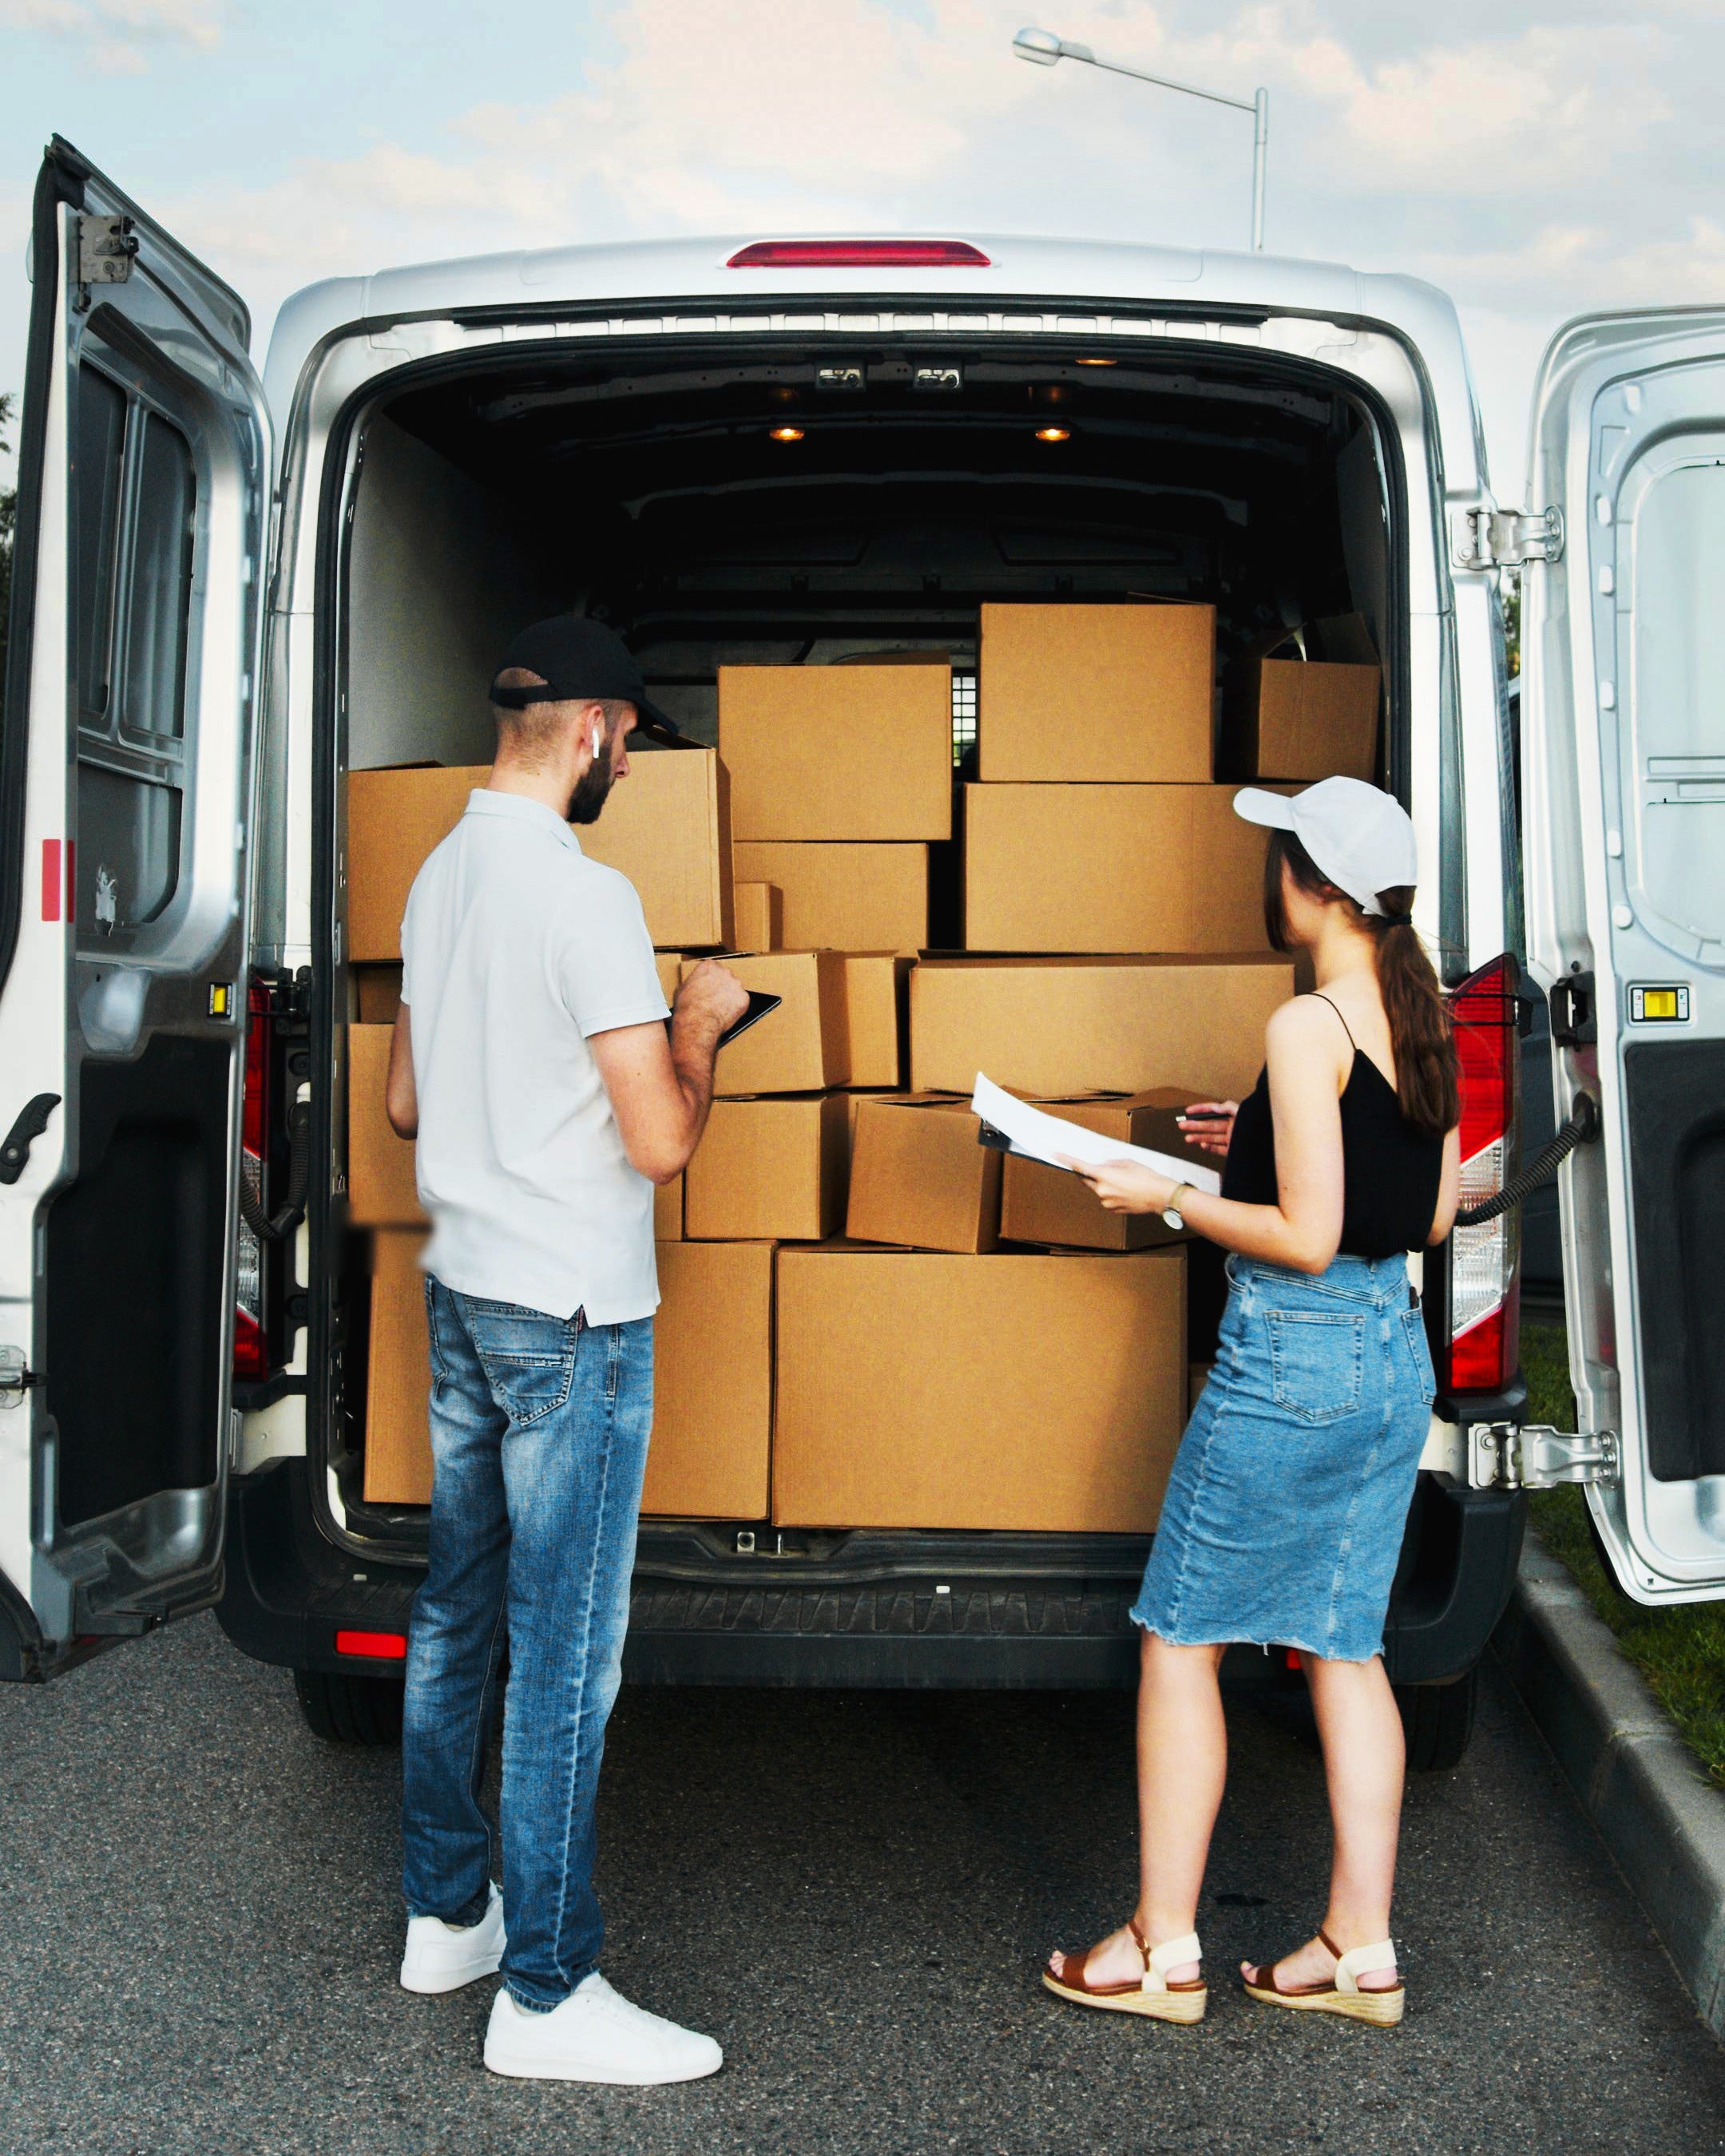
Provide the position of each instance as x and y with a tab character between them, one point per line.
666	827
377	992
1043	1204
802	1047
713	1382
769	1170
1111	868
1031	1393
760	916
398	1464
838	751
382	1190
1304	705
1051	1028
845	898
1103	692
919	1177
877	1010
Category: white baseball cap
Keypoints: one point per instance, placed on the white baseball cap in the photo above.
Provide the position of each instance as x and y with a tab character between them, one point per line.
1358	837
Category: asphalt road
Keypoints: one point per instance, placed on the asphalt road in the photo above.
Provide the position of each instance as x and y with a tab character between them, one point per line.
199	1927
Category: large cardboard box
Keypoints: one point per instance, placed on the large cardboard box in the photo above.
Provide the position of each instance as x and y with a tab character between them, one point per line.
713	1382
1056	1026
838	751
377	992
398	1464
670	964
666	827
760	916
802	1047
877	1009
1111	868
1104	692
1305	706
1040	1394
845	898
769	1169
1043	1204
919	1177
381	1190
668	1210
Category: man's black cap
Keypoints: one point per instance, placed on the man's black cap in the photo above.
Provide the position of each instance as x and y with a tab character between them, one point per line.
577	658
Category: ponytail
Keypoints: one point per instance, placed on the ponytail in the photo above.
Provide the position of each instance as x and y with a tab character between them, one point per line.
1428	1080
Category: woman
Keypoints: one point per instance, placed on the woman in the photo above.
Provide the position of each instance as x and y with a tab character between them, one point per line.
1285	1511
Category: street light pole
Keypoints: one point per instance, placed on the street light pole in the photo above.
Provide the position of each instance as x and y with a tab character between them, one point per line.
1043	48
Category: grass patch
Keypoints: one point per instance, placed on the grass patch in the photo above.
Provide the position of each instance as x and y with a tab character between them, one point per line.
1681	1652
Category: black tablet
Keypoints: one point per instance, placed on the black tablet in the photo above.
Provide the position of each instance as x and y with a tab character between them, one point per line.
759	1005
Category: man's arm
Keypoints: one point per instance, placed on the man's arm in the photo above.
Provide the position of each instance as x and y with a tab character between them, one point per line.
401	1101
661	1086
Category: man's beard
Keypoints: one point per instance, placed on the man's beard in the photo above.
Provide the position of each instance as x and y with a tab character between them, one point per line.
591	789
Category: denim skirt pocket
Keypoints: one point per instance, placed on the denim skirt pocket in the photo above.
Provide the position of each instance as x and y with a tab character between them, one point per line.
1315	1363
528	1359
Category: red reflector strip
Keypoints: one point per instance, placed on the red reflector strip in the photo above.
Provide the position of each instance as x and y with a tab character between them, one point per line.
860	254
381	1646
51	878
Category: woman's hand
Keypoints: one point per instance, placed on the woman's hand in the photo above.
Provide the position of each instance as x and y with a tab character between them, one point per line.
1125	1186
1208	1124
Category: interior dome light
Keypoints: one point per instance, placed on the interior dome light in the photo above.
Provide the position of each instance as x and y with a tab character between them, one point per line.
1054	434
786	434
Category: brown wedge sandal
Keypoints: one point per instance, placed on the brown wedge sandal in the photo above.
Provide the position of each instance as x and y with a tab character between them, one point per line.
1382	2009
1151	1993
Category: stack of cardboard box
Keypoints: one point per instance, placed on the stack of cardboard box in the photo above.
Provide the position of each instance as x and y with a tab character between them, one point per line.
867	1318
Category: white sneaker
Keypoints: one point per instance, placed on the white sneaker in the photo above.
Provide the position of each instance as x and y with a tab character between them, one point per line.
595	2035
442	1957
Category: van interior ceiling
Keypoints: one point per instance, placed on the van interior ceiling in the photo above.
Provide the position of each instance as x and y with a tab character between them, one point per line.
795	508
778	506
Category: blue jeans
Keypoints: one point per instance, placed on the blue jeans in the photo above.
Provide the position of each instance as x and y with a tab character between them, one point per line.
539	1444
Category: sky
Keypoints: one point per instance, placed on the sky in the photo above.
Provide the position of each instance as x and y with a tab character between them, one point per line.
1536	161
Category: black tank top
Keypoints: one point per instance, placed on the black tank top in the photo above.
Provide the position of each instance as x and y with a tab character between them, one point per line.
1390	1170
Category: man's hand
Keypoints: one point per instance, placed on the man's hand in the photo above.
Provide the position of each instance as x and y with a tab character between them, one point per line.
708	999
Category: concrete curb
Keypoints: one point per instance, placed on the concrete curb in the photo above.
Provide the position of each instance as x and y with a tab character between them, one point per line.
1637	1779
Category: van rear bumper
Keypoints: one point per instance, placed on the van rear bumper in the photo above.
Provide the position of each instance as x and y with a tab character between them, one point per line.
969	1613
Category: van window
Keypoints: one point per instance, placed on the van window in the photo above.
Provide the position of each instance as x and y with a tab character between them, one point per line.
136	502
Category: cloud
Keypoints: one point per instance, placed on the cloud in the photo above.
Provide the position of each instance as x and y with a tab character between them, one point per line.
114	34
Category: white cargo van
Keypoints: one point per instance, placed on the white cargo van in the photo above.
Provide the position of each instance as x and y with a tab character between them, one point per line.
229	592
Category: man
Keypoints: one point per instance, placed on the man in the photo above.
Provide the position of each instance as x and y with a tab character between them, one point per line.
531	1060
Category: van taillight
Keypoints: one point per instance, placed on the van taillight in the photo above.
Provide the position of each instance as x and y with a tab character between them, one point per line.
1484	1260
860	254
251	1345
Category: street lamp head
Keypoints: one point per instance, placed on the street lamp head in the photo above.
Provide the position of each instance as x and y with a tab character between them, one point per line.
1042	47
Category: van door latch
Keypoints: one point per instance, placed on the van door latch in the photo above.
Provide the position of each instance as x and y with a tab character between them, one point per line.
1485	537
1533	1455
28	1125
16	1378
107	248
1574	1022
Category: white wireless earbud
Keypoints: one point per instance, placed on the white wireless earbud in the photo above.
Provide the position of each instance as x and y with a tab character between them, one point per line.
598	741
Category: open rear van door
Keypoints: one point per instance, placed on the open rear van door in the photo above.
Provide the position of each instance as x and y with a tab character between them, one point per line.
125	785
1623	763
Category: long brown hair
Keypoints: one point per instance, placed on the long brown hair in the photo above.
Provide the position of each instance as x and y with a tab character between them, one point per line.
1428	1078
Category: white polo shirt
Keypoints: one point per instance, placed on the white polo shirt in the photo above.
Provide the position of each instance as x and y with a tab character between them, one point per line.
516	949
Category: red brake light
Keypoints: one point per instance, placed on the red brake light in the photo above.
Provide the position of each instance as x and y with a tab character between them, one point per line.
251	1345
377	1646
860	254
1485	1287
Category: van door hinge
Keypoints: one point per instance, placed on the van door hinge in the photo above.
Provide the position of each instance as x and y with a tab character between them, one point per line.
107	248
1533	1455
16	1377
1482	538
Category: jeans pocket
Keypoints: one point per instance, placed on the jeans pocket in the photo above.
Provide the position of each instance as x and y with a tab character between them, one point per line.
1315	1361
528	1359
1414	1326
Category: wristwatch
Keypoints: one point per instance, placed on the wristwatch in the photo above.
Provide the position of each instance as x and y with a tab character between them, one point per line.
1171	1212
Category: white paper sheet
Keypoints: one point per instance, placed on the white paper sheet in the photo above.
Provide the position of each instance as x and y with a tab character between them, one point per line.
1040	1136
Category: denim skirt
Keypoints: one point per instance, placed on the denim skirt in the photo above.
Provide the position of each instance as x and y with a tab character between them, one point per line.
1285	1513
